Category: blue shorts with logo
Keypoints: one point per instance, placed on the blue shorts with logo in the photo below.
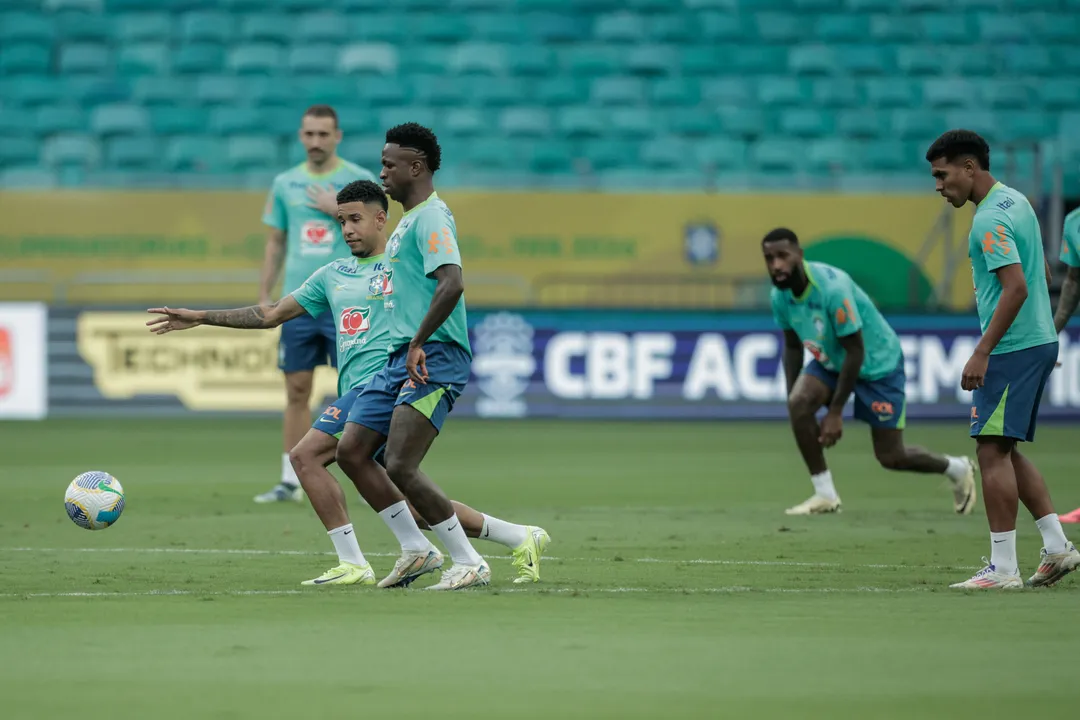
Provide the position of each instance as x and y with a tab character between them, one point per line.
448	368
1008	402
881	403
307	342
333	418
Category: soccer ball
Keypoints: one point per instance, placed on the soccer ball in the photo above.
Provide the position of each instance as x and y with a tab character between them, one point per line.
94	500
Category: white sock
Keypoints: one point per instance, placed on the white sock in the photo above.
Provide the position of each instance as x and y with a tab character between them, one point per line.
453	538
400	521
823	486
348	550
1054	539
502	532
1003	552
957	469
288	475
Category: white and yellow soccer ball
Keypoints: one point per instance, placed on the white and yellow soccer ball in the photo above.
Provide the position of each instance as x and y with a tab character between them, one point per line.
94	500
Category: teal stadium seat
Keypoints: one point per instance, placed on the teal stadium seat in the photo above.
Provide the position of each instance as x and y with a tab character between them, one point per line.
217	89
62	118
18	150
439	28
715	26
620	27
577	122
71	150
84	27
863	123
972	64
478	58
759	59
833	155
429	59
723	92
609	153
836	92
618	90
198	59
465	122
1056	26
497	27
890	155
391	116
633	123
378	27
887	6
777	155
133	153
178	120
649	6
215	27
946	28
195	153
383	90
782	91
895	28
842	28
1059	93
531	60
312	58
1029	60
24	58
917	124
57	5
590	60
780	27
720	153
368	58
439	91
256	59
812	60
229	120
948	93
268	27
675	27
493	154
892	92
1006	94
496	92
560	27
162	91
742	122
28	178
322	27
865	59
525	122
107	120
251	152
806	123
84	58
937	6
144	58
1066	59
666	152
701	60
920	60
675	91
1025	125
549	157
561	90
693	122
143	27
27	27
1002	27
655	60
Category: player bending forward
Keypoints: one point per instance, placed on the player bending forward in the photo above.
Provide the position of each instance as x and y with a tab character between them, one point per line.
354	290
1012	361
820	307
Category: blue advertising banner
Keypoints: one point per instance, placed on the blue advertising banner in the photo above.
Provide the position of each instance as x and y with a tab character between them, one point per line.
703	366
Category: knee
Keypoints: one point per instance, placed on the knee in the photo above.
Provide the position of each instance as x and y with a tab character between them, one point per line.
297	393
801	406
991	451
891	459
400	470
346	457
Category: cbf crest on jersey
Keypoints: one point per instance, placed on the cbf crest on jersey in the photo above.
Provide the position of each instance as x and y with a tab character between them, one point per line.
503	360
381	285
819	325
393	245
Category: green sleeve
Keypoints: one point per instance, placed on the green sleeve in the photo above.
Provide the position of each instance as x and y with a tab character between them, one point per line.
312	295
842	309
274	213
994	232
779	310
437	240
1070	240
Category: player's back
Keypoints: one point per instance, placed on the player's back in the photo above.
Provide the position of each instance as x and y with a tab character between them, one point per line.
1005	231
312	238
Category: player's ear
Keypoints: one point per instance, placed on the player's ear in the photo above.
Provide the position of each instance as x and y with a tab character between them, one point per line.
380	219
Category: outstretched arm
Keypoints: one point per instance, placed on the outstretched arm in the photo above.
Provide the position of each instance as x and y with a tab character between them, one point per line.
253	317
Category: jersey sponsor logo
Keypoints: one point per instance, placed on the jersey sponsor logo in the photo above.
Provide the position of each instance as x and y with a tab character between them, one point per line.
354	320
817	352
381	285
1006	203
503	361
884	410
316	238
441	240
996	241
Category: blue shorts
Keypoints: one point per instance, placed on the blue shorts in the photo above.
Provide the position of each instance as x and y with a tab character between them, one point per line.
333	418
881	403
307	342
1008	402
448	368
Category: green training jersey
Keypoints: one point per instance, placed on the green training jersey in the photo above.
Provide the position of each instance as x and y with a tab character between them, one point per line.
834	306
355	290
1005	231
1070	239
424	241
312	239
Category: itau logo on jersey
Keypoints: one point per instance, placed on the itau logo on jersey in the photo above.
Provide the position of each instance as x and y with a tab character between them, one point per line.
503	360
316	238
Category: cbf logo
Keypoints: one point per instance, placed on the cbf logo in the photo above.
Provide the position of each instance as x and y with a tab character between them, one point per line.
503	360
393	245
819	325
702	243
381	285
354	321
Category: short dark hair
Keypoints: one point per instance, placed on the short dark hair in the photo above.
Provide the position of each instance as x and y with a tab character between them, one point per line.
322	111
363	191
419	138
780	233
958	144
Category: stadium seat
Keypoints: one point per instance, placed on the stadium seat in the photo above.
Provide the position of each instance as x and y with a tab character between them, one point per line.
693	122
727	91
896	28
322	27
759	59
1028	60
84	58
671	27
478	58
872	5
525	122
133	153
845	28
18	27
700	60
1025	125
920	60
31	177
917	124
806	123
561	90
58	5
1005	94
741	122
143	27
557	27
382	90
633	123
198	59
495	92
157	91
217	89
377	27
780	27
590	60
24	58
620	27
833	155
493	153
892	155
439	90
256	59
618	90
675	91
71	149
266	27
249	152
782	91
389	117
498	27
836	92
531	60
812	60
892	92
864	124
666	152
721	153
75	27
658	60
777	155
606	153
574	122
865	59
312	59
715	26
178	120
146	58
63	118
1056	26
18	150
369	58
948	92
968	64
549	157
1058	93
464	121
195	153
106	120
945	28
230	120
214	27
1002	27
439	28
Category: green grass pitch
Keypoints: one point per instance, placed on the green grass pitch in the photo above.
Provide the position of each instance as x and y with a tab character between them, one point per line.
676	587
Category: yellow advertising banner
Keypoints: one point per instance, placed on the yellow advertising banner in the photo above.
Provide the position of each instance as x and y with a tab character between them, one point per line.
539	249
207	368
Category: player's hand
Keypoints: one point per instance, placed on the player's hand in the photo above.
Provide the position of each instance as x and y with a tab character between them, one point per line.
416	364
323	199
173	319
975	371
832	428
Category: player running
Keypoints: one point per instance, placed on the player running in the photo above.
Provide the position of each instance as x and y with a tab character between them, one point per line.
353	290
406	404
301	212
854	350
1070	293
1011	363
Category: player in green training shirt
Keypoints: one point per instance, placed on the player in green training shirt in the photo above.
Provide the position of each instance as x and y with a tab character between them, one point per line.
406	404
301	212
1013	360
820	308
1070	293
354	290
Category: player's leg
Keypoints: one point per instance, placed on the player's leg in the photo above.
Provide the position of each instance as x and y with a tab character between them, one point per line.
882	404
310	458
812	390
300	351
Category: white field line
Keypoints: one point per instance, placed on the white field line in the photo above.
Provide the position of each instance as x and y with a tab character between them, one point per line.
664	561
726	590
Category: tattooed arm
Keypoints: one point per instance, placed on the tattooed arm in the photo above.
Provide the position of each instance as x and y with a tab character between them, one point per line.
254	317
1068	300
